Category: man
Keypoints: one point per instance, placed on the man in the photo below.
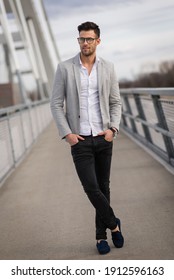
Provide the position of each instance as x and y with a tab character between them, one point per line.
89	121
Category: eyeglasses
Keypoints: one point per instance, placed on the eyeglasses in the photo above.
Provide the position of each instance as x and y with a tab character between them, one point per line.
89	40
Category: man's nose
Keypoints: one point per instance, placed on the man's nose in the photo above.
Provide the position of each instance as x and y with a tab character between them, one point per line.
85	42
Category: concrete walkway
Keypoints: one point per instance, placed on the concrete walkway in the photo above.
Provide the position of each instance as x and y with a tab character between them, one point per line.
44	213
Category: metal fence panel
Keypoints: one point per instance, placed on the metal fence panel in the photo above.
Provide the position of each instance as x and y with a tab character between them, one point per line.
17	136
6	153
168	108
148	116
27	128
19	128
34	122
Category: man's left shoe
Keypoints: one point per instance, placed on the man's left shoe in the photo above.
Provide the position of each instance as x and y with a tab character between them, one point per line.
117	236
103	247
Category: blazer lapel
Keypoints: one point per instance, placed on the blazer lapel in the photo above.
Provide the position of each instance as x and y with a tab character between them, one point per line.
77	74
100	78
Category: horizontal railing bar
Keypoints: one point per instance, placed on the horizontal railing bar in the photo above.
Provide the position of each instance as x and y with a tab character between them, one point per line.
155	127
147	144
13	109
148	91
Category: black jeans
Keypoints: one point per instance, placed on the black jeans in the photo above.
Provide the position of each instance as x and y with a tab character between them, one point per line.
92	159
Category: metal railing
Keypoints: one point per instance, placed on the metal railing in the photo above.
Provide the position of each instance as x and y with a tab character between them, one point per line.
19	127
148	117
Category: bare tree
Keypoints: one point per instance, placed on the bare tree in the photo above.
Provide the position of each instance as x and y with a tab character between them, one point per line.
162	78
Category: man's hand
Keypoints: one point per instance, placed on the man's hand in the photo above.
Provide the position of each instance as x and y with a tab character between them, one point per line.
73	139
108	135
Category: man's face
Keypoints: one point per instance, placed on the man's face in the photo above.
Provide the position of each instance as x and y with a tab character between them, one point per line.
88	47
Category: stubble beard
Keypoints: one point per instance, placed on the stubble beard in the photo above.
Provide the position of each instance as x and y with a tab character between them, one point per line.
89	53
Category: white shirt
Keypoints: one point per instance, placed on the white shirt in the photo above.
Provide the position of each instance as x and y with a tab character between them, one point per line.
90	113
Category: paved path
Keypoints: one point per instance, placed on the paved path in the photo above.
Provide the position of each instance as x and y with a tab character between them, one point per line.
44	213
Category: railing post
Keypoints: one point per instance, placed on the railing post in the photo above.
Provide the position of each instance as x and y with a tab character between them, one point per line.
124	120
128	108
163	124
11	139
142	116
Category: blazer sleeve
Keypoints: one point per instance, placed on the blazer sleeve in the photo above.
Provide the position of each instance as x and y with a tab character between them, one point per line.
114	101
57	103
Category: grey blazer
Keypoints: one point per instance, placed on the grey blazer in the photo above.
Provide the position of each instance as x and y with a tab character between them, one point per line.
66	91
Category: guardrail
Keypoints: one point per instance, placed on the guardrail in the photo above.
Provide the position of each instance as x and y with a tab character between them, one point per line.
19	128
148	117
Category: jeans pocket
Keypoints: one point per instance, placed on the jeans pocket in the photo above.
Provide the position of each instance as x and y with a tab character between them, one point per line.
75	144
107	140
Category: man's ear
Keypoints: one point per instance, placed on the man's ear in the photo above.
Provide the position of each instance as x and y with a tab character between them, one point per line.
98	41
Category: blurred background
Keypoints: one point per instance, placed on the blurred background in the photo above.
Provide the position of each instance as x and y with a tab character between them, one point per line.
137	35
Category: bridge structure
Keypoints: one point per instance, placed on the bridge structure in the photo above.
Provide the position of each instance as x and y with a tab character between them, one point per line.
44	213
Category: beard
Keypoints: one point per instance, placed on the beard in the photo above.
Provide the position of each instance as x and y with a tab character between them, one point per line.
87	52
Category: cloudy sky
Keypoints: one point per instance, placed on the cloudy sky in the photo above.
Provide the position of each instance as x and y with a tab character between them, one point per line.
135	34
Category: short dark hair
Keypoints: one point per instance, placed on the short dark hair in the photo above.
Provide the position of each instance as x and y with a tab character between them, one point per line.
88	25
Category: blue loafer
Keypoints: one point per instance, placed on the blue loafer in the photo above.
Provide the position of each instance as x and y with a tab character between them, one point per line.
117	236
103	247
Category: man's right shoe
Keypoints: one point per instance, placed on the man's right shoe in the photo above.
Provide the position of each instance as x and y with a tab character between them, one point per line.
117	236
103	247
